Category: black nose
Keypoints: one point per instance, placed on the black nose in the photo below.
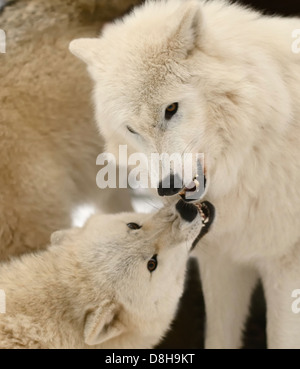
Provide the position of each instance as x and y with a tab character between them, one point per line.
170	186
188	212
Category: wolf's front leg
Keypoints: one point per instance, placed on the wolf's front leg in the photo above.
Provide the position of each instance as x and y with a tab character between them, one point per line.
227	290
281	281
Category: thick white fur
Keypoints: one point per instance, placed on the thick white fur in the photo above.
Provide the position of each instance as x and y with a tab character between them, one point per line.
92	287
237	82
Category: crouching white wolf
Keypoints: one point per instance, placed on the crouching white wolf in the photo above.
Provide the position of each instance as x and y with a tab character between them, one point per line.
219	79
114	284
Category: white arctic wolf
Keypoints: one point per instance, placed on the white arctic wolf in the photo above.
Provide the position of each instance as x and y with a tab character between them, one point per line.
114	284
219	79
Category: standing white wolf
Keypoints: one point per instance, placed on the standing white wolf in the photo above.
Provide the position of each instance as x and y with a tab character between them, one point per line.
219	79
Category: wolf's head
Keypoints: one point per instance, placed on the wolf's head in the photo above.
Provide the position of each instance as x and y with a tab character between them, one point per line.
175	77
135	264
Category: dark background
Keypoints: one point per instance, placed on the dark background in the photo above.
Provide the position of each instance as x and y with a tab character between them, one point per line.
283	7
188	329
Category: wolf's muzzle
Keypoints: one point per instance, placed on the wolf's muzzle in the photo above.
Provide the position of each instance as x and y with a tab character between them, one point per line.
170	186
188	212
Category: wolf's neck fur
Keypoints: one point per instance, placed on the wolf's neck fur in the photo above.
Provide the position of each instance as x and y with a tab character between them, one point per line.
53	296
256	174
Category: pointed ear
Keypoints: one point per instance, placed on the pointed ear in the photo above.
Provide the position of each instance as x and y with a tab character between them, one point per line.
87	49
188	32
102	324
60	236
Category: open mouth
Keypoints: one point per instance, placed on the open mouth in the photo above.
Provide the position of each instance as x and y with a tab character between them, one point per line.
208	213
191	211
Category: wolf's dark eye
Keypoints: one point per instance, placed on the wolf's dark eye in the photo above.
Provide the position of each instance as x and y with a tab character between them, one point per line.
133	226
152	264
132	130
171	111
